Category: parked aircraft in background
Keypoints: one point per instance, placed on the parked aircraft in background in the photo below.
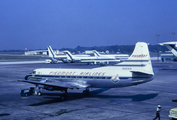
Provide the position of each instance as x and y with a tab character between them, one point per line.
137	69
91	59
172	46
119	56
55	58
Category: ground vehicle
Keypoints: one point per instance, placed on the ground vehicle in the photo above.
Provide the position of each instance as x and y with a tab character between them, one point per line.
173	114
27	92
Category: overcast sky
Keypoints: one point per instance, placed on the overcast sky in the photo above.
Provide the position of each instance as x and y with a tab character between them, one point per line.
35	24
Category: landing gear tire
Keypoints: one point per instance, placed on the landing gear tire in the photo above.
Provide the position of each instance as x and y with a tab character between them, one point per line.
39	93
86	92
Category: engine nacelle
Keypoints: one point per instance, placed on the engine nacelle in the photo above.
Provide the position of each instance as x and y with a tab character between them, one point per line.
49	88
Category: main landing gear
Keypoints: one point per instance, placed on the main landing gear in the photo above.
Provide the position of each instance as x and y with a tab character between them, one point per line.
38	91
86	92
64	96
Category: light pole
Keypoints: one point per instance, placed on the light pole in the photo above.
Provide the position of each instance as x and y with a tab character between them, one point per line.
157	35
173	33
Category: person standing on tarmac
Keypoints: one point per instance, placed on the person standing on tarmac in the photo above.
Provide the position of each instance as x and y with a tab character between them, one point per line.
158	112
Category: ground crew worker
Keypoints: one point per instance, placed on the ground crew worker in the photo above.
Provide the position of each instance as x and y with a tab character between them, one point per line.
158	112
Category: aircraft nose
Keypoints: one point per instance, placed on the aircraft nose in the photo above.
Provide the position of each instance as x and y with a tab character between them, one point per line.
26	77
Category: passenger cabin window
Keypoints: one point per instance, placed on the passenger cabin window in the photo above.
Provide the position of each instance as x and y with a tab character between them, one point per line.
62	76
90	77
67	76
82	77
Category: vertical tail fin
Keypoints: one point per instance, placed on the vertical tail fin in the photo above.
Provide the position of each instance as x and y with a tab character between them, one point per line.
141	52
50	51
140	59
69	54
96	53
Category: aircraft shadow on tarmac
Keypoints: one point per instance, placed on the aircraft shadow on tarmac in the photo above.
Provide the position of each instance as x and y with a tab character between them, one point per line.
138	97
55	97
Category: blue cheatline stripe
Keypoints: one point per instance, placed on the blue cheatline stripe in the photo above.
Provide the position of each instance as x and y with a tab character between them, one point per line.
69	55
136	61
76	77
96	53
174	47
63	76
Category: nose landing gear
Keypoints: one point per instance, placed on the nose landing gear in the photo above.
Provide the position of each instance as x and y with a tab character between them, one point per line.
64	96
38	91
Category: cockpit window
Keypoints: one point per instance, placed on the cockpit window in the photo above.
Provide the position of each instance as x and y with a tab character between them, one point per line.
34	72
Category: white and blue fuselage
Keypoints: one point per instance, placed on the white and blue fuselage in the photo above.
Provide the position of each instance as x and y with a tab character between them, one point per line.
137	69
104	77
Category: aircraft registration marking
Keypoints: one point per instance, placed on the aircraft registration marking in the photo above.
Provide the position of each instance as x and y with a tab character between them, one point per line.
126	68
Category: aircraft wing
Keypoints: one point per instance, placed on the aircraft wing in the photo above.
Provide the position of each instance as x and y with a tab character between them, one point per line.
56	83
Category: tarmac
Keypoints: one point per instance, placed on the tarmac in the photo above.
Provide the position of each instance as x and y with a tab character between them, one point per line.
127	103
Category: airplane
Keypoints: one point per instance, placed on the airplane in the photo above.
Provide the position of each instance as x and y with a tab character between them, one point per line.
91	59
172	46
119	56
64	58
137	69
54	57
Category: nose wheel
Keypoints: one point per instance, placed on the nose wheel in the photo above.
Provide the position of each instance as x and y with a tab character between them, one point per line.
38	91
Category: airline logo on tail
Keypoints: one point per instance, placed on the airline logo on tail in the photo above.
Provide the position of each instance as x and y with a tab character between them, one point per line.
139	55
